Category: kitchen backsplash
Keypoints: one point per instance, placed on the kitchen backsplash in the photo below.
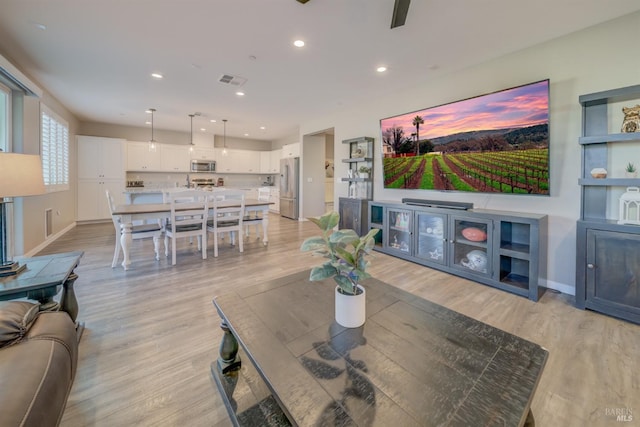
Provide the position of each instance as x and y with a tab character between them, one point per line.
164	180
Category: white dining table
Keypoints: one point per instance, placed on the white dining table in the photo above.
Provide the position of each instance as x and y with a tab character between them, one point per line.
144	211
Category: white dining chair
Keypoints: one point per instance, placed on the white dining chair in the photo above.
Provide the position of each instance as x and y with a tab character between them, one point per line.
188	218
255	218
227	212
143	231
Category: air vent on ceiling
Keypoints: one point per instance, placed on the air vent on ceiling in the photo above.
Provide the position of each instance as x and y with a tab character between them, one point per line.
232	80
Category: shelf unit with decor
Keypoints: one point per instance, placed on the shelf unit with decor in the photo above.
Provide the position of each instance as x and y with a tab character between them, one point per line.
353	209
607	245
506	250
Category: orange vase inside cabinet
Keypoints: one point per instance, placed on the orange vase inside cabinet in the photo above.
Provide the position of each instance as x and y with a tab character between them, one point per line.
474	234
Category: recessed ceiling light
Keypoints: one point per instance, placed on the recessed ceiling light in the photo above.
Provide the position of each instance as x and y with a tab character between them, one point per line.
147	122
246	134
203	129
381	69
240	93
157	76
298	43
147	111
212	120
262	127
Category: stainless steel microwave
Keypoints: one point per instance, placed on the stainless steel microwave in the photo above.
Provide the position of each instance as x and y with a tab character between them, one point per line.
203	166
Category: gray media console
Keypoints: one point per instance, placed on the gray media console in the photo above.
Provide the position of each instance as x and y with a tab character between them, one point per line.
506	250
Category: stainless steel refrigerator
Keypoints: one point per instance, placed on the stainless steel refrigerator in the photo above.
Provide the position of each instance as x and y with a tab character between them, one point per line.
289	185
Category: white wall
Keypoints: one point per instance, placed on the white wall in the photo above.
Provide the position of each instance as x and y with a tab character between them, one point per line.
599	58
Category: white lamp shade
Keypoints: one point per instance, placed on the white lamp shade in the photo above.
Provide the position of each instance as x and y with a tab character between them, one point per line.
20	175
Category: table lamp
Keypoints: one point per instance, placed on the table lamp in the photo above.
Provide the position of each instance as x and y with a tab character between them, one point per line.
20	175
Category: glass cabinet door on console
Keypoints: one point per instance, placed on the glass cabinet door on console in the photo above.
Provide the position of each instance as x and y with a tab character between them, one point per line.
400	225
431	237
469	245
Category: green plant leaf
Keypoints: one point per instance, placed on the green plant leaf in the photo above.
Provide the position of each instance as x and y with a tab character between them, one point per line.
313	243
322	272
347	286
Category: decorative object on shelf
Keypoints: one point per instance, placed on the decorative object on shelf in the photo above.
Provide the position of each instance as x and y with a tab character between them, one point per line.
346	253
630	170
364	171
631	122
20	175
630	206
599	173
475	260
474	234
357	152
402	220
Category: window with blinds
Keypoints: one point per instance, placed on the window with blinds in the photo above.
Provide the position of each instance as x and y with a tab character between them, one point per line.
54	134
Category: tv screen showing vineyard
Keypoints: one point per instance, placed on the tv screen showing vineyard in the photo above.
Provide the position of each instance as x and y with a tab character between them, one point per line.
498	143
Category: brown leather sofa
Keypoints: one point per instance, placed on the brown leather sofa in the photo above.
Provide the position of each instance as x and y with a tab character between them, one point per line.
38	357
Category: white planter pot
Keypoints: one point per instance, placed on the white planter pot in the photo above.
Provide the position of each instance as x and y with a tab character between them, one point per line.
351	309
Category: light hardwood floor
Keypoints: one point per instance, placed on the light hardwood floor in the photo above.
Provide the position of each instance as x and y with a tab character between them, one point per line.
152	332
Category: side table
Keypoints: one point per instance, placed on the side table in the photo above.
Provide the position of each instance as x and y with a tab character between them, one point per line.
42	279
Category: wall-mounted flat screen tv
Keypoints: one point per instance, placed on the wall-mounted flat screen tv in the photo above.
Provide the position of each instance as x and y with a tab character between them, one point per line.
493	143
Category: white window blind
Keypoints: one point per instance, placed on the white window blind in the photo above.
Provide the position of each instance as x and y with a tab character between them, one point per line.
55	151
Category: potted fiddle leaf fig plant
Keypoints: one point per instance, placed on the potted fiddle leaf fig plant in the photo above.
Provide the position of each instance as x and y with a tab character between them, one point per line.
346	263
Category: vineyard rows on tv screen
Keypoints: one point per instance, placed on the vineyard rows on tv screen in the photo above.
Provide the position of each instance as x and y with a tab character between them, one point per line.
497	142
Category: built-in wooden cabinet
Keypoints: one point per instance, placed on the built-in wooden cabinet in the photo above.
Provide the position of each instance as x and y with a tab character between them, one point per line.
101	167
506	250
607	260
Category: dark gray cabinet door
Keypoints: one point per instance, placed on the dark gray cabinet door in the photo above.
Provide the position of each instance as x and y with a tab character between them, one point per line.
613	273
353	215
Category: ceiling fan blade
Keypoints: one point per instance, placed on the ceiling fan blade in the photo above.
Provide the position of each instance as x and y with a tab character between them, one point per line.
302	1
400	9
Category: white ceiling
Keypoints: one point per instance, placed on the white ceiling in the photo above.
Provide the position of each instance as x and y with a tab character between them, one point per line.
96	56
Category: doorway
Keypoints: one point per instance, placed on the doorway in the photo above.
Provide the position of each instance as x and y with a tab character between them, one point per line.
317	172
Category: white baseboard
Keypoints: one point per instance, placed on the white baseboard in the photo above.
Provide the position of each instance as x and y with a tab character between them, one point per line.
560	287
50	240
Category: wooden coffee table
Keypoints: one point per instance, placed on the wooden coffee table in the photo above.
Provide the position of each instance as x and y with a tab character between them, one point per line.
413	363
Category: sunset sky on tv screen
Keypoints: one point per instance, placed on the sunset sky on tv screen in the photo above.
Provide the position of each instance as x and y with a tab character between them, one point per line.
518	107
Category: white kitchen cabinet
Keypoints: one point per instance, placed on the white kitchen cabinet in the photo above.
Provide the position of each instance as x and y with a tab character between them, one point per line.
100	158
200	153
265	161
174	158
92	198
291	150
276	155
237	161
101	167
140	159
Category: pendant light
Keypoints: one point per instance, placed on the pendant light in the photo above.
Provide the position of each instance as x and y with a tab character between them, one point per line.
191	146
152	142
224	140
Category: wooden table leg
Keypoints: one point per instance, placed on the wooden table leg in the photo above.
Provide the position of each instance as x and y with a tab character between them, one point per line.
69	303
125	242
265	224
228	359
